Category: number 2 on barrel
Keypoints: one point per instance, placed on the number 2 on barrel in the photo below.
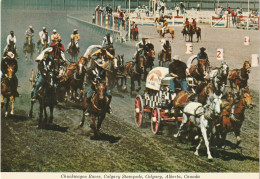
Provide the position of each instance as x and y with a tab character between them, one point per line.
218	54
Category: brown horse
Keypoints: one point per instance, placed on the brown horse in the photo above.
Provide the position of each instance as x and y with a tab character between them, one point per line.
134	70
28	47
147	59
165	57
73	50
188	30
98	108
239	77
170	31
203	94
7	90
198	72
76	73
233	115
198	33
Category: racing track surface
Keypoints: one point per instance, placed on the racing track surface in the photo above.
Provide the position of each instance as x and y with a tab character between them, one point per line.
122	147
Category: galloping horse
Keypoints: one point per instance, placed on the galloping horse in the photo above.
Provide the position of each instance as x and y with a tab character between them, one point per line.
120	75
170	30
28	47
134	70
219	76
204	91
73	50
46	96
98	108
198	72
148	59
239	77
76	73
165	57
233	115
7	90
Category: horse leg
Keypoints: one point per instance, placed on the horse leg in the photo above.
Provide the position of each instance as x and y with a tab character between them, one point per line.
223	139
40	126
45	115
6	107
12	108
51	114
203	128
93	127
139	84
132	86
184	121
83	118
237	133
31	110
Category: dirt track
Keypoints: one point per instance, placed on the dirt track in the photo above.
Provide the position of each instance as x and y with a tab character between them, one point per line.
122	147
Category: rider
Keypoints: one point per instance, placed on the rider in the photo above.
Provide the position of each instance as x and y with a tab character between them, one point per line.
55	37
29	32
186	23
194	23
97	74
41	35
9	60
165	45
11	38
75	37
45	37
141	47
102	54
165	27
107	41
201	57
45	65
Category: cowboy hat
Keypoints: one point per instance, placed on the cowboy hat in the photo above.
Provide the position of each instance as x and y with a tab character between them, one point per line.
54	30
202	49
10	54
75	30
176	57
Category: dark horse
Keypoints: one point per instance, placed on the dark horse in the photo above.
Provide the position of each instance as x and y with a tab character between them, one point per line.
239	77
73	50
7	90
46	96
134	70
76	73
98	108
233	115
165	57
198	33
120	76
28	47
198	72
147	59
188	30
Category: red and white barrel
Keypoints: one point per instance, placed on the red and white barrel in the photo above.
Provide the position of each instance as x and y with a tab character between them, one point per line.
189	48
255	60
220	54
246	40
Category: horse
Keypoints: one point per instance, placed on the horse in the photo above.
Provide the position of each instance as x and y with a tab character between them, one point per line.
148	59
204	90
189	30
119	75
200	71
169	30
239	77
198	33
76	74
28	47
98	108
134	70
10	48
43	46
218	76
201	117
7	89
233	115
46	96
73	50
165	57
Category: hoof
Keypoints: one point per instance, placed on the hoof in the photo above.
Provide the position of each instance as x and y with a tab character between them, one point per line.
6	114
176	135
12	112
196	153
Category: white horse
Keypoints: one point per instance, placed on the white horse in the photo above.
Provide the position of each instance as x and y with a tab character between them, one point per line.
201	116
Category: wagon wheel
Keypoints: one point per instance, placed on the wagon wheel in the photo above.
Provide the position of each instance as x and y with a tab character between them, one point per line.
155	120
138	114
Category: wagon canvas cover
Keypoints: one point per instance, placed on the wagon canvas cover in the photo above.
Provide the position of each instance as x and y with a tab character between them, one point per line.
155	76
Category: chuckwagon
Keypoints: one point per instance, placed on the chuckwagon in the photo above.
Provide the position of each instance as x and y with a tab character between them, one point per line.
156	98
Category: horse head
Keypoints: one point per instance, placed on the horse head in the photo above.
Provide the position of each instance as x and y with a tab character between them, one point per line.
214	103
247	66
115	64
247	98
101	90
224	69
29	39
120	60
140	64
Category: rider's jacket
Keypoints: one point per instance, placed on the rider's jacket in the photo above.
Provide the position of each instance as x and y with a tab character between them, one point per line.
179	68
107	41
55	37
29	32
187	22
41	34
7	61
75	37
194	23
10	38
45	38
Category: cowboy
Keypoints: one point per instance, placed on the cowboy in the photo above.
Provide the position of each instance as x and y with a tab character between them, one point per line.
97	74
55	37
194	23
177	8
107	41
9	60
41	35
75	37
179	71
165	27
164	46
141	47
29	31
11	38
186	23
202	58
45	65
45	38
